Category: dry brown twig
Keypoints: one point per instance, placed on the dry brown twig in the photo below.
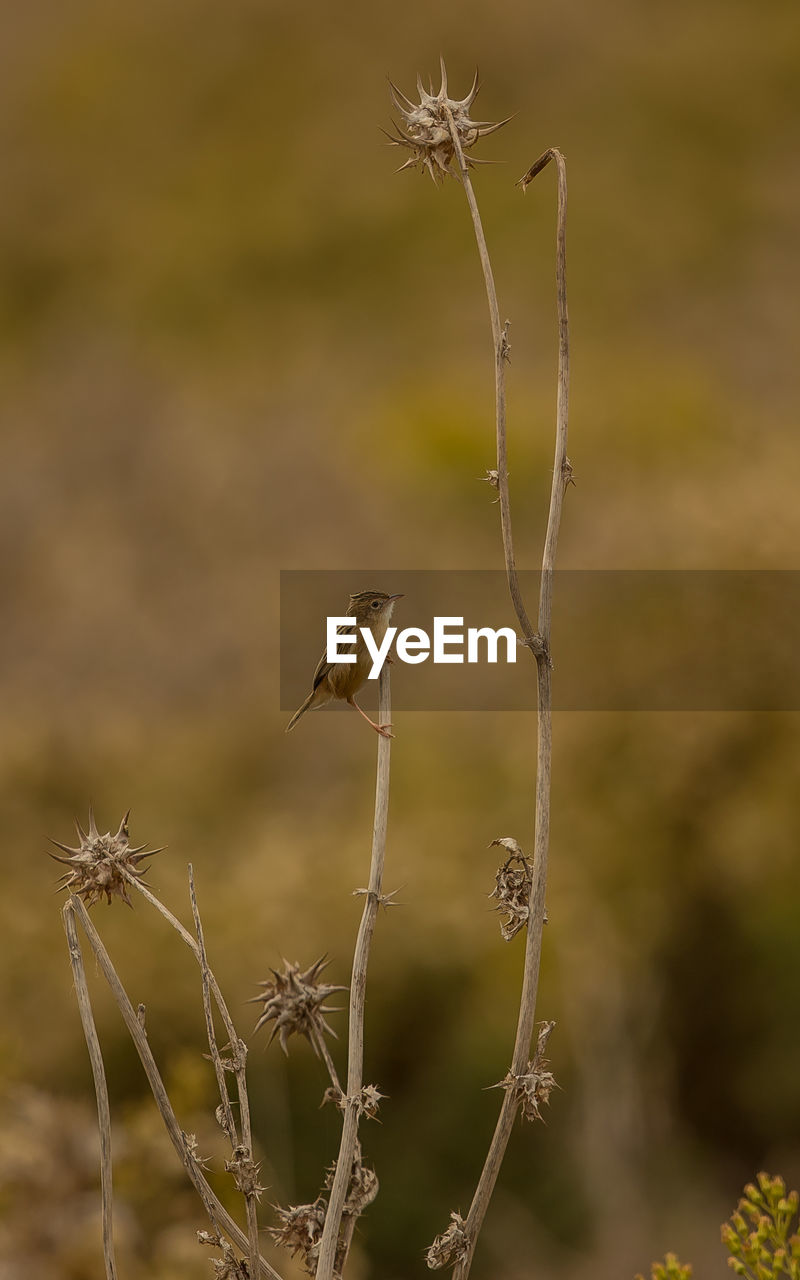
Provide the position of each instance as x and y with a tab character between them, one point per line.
101	1090
241	1164
106	866
220	1219
562	475
438	133
331	1256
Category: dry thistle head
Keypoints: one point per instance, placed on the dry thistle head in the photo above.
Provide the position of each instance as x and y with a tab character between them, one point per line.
101	864
451	1247
534	1087
245	1172
295	1001
301	1230
229	1267
429	126
363	1186
366	1103
369	1101
512	888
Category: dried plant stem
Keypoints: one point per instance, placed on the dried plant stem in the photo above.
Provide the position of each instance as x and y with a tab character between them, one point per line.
562	470
345	1240
218	1214
540	645
100	1088
318	1041
530	636
191	943
358	986
228	1123
238	1048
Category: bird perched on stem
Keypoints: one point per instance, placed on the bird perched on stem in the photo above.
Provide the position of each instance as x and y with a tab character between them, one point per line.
342	680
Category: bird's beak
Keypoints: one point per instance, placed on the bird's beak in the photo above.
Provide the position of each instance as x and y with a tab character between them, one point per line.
398	595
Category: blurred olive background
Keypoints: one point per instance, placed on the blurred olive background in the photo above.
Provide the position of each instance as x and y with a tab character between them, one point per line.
234	341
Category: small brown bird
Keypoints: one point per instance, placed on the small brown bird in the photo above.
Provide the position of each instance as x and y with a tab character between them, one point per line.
342	680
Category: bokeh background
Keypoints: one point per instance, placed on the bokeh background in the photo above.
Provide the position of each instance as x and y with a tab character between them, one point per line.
232	341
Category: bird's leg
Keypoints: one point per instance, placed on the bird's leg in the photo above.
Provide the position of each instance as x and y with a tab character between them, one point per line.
385	730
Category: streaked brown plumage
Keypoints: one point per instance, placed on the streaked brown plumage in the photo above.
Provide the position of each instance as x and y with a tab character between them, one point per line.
342	680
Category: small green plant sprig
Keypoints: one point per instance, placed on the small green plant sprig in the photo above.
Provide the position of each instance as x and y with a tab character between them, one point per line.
756	1237
669	1269
762	1236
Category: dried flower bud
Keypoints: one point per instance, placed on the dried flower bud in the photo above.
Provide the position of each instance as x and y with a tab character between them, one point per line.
512	888
190	1142
367	1102
505	343
332	1094
229	1267
301	1230
245	1172
100	865
534	1086
385	900
451	1247
294	1000
429	125
363	1187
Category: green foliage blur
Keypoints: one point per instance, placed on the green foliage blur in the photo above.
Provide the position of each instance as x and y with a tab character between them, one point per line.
758	1235
233	341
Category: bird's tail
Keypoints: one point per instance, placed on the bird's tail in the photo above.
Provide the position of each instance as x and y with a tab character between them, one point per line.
301	711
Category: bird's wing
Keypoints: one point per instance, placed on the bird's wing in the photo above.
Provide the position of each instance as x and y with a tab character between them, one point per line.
323	666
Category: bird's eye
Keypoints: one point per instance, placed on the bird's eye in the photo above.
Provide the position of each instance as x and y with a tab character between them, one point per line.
376	604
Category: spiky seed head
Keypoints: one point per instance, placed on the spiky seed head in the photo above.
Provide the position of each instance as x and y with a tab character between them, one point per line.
301	1230
512	888
427	131
369	1101
295	1001
534	1086
363	1186
245	1172
229	1267
100	865
451	1247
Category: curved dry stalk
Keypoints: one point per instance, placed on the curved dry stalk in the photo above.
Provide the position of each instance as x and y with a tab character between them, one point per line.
318	1041
539	643
191	943
358	987
531	637
100	1087
220	1219
242	1152
228	1122
237	1046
